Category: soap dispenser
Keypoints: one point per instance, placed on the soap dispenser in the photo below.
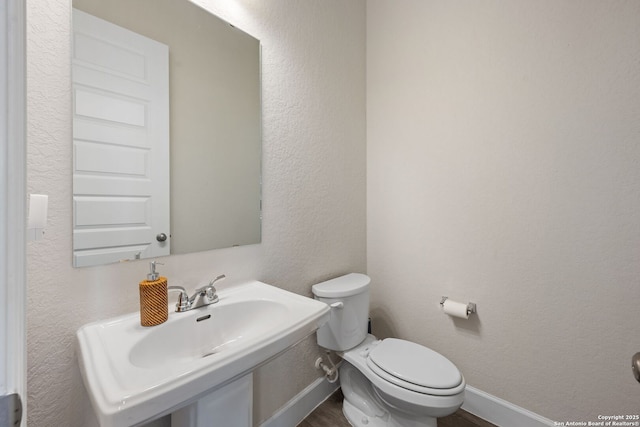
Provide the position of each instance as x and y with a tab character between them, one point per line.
154	304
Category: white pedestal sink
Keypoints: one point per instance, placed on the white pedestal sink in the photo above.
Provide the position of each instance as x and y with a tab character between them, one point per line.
135	374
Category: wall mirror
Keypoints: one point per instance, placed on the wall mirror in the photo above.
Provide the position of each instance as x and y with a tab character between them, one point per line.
166	131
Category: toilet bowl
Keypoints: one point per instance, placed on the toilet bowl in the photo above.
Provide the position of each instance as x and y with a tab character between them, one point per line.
390	382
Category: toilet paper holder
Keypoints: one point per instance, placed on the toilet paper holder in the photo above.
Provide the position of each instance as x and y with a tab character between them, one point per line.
471	307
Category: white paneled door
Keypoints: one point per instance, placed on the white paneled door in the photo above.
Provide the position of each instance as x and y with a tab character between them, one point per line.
120	143
13	166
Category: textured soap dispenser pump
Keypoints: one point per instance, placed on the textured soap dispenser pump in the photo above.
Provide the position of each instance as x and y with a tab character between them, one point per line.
154	303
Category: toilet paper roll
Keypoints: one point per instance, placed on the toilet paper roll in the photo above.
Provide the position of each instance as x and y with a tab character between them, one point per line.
455	309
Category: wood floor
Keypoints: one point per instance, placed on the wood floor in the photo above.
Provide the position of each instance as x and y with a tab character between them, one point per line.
329	414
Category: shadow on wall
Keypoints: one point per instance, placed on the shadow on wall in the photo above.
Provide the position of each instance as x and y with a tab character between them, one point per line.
470	326
382	326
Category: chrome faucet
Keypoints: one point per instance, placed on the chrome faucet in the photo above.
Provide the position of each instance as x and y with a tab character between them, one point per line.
203	296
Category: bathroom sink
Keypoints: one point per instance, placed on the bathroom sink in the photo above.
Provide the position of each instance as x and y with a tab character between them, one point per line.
198	335
135	373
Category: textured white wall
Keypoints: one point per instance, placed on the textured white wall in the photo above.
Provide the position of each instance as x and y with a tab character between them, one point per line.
503	146
313	191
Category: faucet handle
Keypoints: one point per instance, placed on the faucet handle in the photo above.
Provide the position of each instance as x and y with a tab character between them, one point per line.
209	289
205	295
212	289
183	303
220	277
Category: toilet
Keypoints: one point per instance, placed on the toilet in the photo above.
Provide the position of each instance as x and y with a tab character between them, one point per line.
389	382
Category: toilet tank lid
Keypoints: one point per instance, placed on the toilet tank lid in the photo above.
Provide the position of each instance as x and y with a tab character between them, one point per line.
343	286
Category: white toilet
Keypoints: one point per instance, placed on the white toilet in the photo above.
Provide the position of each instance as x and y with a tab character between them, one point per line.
390	382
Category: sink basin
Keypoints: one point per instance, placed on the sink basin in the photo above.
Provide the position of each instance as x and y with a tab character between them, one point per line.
135	373
189	338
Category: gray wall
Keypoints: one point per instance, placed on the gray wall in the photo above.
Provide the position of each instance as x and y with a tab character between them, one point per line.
503	153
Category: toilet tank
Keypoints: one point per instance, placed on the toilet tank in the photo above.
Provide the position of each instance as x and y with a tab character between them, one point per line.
348	297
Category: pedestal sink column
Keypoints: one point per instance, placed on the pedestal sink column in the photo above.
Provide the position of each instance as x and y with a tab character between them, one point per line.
229	405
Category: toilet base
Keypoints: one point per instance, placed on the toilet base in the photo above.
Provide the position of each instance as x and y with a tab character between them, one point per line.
363	407
357	418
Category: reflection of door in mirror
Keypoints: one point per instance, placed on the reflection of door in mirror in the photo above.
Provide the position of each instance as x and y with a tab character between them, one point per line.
214	121
121	143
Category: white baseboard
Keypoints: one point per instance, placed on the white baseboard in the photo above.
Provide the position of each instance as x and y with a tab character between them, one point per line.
500	412
302	404
484	405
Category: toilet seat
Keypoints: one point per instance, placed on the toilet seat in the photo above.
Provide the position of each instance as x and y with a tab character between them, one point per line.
415	367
